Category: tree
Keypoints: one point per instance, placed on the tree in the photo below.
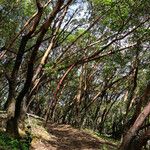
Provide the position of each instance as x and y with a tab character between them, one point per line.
14	101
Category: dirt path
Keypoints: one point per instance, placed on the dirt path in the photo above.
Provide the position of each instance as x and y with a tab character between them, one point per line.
64	137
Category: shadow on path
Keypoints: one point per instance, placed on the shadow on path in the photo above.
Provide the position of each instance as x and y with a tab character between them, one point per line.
68	138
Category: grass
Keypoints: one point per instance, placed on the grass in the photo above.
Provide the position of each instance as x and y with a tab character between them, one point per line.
105	139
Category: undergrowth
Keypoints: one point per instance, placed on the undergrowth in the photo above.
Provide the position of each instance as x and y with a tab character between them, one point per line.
9	143
102	136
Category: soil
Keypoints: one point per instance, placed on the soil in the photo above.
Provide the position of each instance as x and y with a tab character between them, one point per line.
65	137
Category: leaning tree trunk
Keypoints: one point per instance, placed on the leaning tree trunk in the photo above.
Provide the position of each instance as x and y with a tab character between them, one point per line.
13	102
134	129
12	123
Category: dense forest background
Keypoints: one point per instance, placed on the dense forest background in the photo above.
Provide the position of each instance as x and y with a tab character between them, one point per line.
80	62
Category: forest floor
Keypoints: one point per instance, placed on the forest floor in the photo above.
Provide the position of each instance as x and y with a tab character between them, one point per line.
65	137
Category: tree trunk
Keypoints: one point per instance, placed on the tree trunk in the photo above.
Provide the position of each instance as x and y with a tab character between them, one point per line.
134	129
12	127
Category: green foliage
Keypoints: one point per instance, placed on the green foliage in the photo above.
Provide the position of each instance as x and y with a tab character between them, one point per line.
13	14
8	143
97	2
28	7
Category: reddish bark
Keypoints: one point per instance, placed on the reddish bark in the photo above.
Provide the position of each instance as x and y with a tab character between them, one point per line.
134	129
